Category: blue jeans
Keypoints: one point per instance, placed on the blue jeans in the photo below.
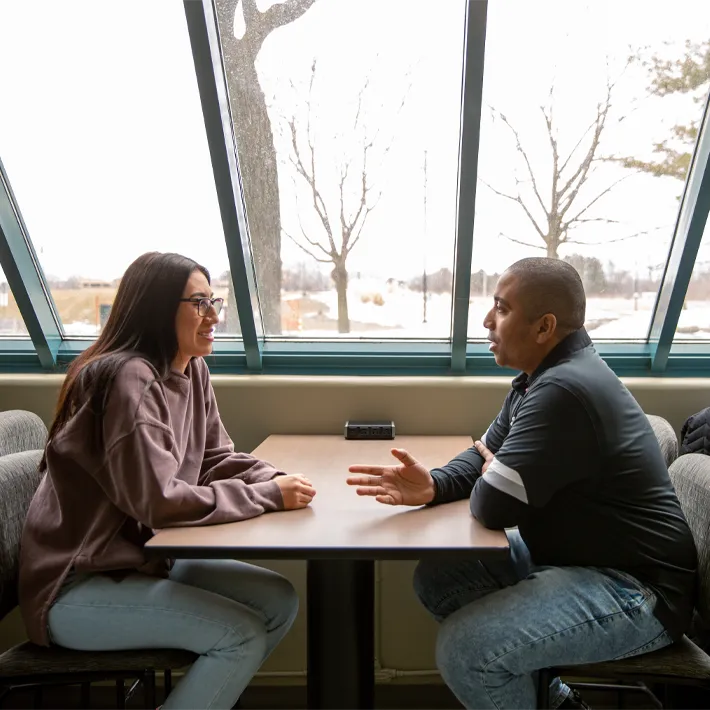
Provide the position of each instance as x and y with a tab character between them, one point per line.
501	621
230	613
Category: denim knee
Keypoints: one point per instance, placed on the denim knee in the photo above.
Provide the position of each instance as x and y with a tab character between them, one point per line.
246	635
456	654
284	600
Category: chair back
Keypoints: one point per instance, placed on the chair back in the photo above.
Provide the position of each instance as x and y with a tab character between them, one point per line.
667	439
19	479
21	431
690	474
22	438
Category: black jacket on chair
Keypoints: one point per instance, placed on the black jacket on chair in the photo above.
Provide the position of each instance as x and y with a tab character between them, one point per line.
695	434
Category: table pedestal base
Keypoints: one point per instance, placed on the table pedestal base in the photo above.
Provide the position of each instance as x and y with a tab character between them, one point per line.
341	656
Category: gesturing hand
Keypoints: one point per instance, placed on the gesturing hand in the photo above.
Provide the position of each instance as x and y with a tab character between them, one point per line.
296	489
407	483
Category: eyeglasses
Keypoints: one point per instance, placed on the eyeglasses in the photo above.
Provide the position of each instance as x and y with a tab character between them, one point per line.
204	305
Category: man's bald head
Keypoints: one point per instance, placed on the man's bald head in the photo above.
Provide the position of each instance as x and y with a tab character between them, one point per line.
551	286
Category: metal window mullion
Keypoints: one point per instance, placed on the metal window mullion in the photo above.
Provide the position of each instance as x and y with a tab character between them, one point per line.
688	235
204	40
469	137
24	275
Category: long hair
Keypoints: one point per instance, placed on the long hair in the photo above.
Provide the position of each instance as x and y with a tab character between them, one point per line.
141	323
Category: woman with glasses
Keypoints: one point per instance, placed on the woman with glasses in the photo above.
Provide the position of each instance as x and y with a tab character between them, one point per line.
137	444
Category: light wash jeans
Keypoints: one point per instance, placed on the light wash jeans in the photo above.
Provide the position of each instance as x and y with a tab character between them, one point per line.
503	620
231	613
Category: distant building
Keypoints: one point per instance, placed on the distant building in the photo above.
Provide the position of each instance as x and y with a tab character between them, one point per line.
95	283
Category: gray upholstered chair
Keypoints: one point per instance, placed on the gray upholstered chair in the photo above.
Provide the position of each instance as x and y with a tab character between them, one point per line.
667	439
22	437
682	663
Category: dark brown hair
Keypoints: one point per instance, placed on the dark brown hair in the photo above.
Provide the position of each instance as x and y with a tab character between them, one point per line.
141	324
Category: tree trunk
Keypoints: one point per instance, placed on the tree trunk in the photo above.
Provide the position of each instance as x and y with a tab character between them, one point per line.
231	322
552	246
257	162
340	277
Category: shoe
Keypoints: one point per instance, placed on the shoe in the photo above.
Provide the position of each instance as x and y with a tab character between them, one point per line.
573	701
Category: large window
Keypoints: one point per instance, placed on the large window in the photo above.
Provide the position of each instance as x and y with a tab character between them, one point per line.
11	323
347	126
102	136
342	167
590	114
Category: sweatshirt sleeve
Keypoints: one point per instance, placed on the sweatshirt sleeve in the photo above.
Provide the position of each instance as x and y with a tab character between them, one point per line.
456	479
552	429
220	461
140	465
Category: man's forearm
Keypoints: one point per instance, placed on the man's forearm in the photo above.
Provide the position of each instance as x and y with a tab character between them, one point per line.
456	479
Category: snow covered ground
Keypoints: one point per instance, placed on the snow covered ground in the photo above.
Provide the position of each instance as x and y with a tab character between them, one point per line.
401	314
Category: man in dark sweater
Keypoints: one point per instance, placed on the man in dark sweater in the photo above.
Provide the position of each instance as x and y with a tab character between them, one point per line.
602	563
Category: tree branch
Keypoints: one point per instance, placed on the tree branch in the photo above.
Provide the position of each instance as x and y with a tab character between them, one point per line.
580	175
260	24
300	246
519	201
574	219
611	241
521	150
518	241
312	242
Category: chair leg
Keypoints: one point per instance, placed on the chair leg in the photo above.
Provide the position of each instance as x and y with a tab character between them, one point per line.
167	682
149	689
120	694
37	697
544	677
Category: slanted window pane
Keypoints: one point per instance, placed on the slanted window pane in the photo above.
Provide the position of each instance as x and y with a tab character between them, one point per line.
590	115
347	124
694	320
11	323
102	135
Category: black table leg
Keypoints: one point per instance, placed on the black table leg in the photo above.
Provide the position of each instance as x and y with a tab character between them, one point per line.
341	634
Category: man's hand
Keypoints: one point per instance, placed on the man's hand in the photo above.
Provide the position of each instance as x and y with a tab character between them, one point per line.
487	454
408	483
297	490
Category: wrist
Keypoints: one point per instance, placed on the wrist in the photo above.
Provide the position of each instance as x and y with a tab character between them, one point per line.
430	494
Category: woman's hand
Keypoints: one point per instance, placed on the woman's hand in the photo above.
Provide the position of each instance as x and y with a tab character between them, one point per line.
296	489
408	483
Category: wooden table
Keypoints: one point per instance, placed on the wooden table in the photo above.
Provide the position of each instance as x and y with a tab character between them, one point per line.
341	535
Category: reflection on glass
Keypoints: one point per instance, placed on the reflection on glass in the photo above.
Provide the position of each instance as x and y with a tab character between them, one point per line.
11	323
349	157
105	147
591	112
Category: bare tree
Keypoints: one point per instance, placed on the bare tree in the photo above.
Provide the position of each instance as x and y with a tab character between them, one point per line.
568	208
255	140
340	214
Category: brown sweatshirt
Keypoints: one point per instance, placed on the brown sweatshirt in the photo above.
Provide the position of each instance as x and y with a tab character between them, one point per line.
166	461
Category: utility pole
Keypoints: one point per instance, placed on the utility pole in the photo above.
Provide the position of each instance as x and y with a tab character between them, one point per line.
424	288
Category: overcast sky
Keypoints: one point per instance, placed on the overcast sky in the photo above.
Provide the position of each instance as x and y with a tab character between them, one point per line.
102	135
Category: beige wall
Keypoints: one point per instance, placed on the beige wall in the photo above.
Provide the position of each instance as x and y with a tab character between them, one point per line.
254	406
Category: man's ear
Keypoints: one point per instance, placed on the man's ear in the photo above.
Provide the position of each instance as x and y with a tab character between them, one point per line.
547	327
